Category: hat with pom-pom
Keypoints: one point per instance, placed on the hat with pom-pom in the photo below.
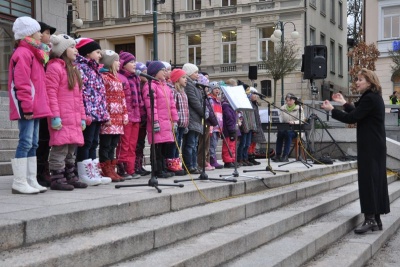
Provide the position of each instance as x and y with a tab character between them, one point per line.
108	57
25	26
176	74
86	46
60	43
154	67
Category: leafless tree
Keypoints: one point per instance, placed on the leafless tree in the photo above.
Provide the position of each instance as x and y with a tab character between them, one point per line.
281	61
354	18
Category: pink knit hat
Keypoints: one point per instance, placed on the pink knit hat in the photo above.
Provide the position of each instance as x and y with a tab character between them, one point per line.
86	46
176	74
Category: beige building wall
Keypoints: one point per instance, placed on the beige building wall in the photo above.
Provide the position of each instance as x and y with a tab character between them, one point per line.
373	27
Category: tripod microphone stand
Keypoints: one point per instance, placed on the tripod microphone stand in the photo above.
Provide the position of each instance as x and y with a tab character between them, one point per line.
298	156
153	182
203	175
268	168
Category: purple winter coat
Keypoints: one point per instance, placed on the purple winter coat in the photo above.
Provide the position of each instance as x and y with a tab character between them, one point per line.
164	111
64	103
230	120
133	97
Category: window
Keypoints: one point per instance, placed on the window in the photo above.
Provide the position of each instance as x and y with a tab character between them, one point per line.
193	4
17	8
228	2
194	49
313	38
340	24
391	22
96	9
322	39
323	7
333	11
332	56
264	42
340	61
228	40
123	8
148	7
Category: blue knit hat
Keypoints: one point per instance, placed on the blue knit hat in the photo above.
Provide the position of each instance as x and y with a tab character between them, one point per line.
154	67
141	66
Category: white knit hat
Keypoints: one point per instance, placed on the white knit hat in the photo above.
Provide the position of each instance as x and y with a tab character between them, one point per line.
60	43
190	68
108	57
166	64
25	26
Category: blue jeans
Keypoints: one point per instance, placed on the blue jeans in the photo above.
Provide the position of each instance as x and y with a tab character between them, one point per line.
189	152
213	144
28	138
245	140
91	138
284	137
173	151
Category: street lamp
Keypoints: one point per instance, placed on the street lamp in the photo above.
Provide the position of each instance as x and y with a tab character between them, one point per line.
155	37
279	33
77	22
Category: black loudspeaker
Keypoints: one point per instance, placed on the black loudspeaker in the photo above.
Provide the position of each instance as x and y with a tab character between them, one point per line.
266	88
252	72
314	62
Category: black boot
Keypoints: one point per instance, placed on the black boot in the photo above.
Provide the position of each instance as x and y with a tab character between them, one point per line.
72	179
276	158
59	182
252	159
369	224
378	221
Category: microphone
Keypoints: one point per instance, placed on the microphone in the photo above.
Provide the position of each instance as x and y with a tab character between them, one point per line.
260	95
139	73
200	84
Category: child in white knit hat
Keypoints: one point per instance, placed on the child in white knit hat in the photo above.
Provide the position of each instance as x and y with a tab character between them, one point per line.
28	101
64	84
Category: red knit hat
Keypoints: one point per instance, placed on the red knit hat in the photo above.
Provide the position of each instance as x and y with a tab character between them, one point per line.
176	74
86	46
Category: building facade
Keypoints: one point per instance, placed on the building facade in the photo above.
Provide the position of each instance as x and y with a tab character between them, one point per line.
223	37
382	27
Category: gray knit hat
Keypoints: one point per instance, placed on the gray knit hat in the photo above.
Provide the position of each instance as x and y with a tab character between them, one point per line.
108	57
60	43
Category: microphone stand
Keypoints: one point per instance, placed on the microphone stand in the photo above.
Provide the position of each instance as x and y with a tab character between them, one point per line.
268	168
298	156
203	175
153	182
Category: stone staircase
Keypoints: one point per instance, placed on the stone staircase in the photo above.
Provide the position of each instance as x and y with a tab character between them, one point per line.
288	219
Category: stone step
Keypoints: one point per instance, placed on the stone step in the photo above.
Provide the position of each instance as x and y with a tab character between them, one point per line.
63	218
9	133
305	243
220	245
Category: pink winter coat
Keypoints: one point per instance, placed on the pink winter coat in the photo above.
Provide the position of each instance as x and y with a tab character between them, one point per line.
64	103
26	84
164	111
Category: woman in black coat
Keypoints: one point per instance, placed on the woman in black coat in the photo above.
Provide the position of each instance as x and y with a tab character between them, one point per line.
369	114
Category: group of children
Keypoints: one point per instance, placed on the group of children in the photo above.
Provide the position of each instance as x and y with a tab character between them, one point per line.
83	98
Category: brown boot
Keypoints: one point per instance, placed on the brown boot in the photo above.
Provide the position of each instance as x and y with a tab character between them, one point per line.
113	166
71	177
107	171
59	182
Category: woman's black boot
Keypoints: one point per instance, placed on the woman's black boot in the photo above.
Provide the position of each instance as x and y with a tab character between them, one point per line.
378	221
369	224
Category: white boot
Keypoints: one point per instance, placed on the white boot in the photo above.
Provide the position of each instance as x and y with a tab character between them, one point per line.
97	172
20	184
31	175
86	173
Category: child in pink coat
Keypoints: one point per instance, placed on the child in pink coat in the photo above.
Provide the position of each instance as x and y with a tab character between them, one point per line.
165	116
64	83
28	101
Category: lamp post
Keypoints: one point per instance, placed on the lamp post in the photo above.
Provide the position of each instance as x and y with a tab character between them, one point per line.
77	22
155	37
280	33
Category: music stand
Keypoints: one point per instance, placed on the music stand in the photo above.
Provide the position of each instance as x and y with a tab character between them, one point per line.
238	100
153	182
268	168
298	156
203	175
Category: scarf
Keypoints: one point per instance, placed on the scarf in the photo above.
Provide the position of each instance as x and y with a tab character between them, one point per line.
290	109
40	50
